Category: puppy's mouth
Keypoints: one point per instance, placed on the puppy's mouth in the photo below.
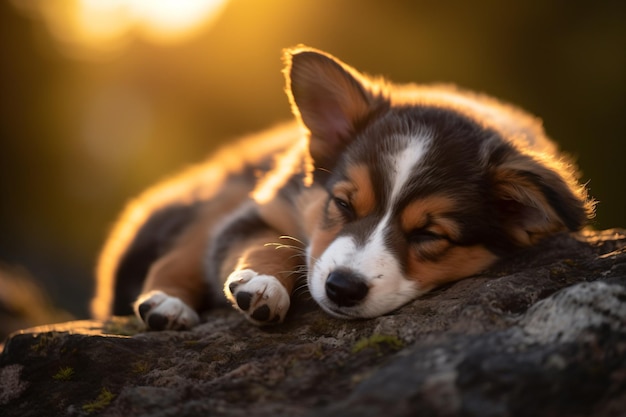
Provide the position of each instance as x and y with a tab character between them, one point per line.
347	294
339	312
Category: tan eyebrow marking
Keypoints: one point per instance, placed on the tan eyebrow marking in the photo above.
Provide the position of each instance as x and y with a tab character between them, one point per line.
358	190
458	262
436	262
430	213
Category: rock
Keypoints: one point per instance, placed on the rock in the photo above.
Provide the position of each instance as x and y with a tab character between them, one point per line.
543	334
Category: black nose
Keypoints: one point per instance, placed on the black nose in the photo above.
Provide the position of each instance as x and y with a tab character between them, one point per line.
345	288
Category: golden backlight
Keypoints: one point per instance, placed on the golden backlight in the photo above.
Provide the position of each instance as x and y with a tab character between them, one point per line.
85	27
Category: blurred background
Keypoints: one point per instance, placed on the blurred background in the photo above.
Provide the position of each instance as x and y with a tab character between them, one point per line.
101	98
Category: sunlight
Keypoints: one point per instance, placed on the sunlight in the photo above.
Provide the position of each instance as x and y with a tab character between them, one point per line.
84	27
171	20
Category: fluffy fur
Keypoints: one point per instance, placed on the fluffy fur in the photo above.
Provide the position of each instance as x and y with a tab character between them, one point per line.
377	193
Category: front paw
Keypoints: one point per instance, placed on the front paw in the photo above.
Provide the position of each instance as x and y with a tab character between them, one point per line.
261	298
163	312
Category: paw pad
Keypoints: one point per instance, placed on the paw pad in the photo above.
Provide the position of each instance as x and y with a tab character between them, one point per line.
261	298
244	299
262	313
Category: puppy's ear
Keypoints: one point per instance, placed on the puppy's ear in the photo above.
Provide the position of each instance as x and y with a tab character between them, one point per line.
536	197
331	99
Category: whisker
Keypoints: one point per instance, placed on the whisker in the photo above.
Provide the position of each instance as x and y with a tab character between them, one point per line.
283	246
303	295
295	239
290	273
302	288
300	248
325	170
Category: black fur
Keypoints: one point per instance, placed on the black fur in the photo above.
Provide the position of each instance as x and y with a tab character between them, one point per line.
153	240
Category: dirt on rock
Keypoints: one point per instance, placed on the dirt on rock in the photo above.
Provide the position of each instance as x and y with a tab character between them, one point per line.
543	334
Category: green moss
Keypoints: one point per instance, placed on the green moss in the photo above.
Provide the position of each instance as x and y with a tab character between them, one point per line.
68	351
327	326
123	326
100	403
64	374
216	357
556	272
378	342
140	367
43	342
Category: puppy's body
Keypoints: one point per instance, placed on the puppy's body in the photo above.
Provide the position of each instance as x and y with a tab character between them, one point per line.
385	191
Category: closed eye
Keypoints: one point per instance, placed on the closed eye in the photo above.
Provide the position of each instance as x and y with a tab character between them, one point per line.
420	236
344	207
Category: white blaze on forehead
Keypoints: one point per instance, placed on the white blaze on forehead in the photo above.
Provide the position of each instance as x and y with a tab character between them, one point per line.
404	162
373	260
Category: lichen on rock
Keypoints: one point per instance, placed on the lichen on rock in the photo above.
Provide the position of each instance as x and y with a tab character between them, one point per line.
543	334
11	385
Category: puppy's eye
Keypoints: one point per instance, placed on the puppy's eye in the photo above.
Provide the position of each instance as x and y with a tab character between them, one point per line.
344	207
419	236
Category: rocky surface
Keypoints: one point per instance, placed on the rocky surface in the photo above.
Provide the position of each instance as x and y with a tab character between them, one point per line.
541	335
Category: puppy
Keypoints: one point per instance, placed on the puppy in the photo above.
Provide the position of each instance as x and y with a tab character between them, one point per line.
377	193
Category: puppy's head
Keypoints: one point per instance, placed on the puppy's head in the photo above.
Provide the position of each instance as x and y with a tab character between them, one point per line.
419	192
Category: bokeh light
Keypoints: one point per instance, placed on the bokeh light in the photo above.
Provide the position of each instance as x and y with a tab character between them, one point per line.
91	28
102	98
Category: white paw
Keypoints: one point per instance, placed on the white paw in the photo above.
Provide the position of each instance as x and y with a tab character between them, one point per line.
261	298
163	312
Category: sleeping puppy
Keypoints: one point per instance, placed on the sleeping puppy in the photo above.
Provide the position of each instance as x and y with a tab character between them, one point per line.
375	194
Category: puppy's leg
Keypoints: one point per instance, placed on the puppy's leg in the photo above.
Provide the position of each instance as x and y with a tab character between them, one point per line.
174	289
172	293
263	279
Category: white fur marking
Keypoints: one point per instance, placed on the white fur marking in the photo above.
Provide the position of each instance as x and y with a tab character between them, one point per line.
174	309
388	288
265	290
337	254
405	161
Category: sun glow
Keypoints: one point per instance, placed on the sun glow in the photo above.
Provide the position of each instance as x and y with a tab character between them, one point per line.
96	26
168	20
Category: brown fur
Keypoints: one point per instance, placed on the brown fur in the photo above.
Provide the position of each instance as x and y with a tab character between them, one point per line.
457	262
357	190
431	213
206	182
488	183
281	262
